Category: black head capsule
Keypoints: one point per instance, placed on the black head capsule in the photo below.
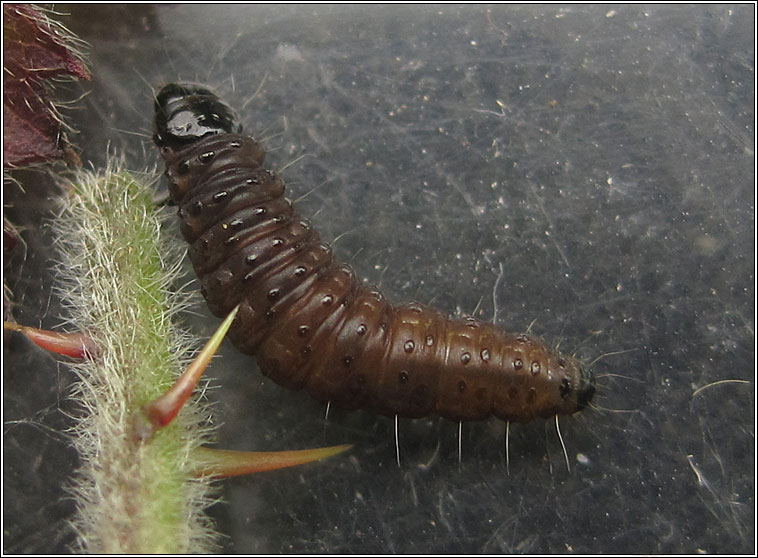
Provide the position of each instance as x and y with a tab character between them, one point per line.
184	113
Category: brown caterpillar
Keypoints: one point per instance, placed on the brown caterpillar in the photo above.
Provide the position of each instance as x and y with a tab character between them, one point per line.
310	322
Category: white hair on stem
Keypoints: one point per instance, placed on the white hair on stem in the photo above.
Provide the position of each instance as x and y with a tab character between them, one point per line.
116	275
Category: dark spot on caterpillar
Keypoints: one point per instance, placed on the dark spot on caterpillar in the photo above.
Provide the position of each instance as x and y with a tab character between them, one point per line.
323	330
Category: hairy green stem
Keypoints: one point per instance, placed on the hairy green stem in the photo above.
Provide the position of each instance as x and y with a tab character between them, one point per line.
133	497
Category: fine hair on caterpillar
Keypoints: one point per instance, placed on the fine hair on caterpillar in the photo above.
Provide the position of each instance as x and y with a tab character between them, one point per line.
306	317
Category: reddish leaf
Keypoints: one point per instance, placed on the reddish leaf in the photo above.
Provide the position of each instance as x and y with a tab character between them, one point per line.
35	49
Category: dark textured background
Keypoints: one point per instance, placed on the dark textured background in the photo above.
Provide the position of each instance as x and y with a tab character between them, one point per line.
604	157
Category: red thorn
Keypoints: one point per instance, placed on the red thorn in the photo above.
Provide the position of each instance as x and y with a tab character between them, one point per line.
228	463
163	409
76	345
